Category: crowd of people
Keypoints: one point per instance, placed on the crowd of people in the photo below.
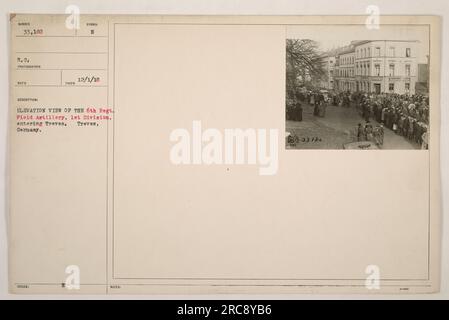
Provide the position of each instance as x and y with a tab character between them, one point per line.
368	132
406	115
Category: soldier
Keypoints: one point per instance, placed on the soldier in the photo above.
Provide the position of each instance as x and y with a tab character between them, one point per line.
410	128
366	111
360	133
369	131
379	135
425	140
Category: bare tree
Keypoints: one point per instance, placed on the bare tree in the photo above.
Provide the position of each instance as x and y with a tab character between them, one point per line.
304	63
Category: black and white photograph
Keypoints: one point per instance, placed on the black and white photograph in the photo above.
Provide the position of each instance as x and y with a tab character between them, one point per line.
226	159
351	87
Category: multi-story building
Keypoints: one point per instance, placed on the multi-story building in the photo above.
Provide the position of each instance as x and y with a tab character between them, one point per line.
386	66
377	66
344	69
328	61
422	83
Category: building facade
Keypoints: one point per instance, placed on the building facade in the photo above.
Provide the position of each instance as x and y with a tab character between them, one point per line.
422	83
344	69
328	61
377	66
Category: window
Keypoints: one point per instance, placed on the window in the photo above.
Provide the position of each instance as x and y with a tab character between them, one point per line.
408	52
391	87
392	51
377	51
391	70
407	70
407	87
377	69
369	52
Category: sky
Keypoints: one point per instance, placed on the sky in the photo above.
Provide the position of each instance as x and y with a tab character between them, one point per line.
333	36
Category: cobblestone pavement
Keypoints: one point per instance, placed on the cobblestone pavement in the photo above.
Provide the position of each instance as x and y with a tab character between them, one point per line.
336	129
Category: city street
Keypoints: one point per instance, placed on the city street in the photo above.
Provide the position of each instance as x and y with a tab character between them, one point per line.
337	128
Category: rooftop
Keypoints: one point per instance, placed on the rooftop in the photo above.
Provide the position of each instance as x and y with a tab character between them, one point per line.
353	44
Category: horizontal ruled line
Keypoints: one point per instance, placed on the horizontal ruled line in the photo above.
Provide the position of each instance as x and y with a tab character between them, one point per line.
58	69
225	285
61	86
58	52
67	36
